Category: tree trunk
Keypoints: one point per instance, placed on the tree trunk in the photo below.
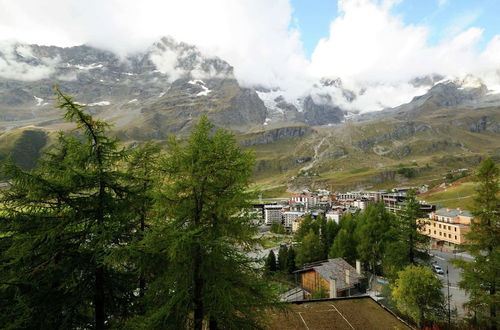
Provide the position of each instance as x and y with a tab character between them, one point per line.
197	290
99	298
212	324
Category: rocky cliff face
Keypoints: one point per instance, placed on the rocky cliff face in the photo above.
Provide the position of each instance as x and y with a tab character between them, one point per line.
276	134
154	93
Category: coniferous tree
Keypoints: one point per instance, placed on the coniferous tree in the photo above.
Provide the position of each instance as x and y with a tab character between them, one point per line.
310	250
282	258
62	221
344	244
200	273
143	176
271	262
291	260
408	230
480	277
373	233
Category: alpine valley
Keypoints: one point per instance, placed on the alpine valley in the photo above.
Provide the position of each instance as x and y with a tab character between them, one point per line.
312	141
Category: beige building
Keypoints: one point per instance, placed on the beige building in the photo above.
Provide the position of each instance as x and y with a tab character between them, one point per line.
447	227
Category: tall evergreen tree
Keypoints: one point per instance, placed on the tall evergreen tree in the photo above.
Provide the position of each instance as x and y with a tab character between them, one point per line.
408	228
200	273
283	258
480	277
372	232
290	267
271	262
344	244
62	221
310	250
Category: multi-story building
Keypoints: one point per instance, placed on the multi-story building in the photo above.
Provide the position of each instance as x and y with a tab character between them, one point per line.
447	227
307	200
273	214
289	217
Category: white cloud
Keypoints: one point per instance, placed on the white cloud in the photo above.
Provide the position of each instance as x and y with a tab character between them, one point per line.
12	68
368	46
253	36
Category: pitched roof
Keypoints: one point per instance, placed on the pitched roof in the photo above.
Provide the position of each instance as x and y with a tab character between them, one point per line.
452	213
335	269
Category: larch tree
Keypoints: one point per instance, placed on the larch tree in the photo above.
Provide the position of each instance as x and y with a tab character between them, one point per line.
201	273
373	230
60	223
480	277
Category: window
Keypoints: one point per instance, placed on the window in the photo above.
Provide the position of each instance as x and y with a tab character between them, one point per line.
434	232
455	236
439	225
449	235
455	228
440	234
449	227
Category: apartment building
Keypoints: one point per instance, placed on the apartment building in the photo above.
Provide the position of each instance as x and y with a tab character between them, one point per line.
447	227
273	214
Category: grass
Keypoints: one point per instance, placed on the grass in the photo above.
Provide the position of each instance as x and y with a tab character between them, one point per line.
269	241
460	195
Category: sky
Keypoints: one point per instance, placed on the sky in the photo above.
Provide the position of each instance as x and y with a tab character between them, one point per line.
375	46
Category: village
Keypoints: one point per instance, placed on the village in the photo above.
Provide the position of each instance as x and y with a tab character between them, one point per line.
335	277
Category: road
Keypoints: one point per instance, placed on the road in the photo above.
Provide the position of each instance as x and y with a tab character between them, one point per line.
458	296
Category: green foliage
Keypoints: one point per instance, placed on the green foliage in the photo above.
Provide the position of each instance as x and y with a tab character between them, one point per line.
198	269
283	258
291	260
271	262
373	232
344	245
417	294
480	276
408	245
309	250
277	228
407	172
65	218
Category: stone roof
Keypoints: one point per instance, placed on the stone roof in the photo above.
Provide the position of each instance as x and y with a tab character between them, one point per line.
452	213
335	269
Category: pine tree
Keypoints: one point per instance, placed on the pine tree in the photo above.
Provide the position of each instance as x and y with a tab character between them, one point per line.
200	272
344	244
63	219
408	227
282	258
291	261
480	276
372	232
271	262
310	250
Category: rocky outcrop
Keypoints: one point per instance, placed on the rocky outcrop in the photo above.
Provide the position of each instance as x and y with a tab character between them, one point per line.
276	134
322	111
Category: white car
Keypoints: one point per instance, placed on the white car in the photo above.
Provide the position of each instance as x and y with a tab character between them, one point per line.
437	269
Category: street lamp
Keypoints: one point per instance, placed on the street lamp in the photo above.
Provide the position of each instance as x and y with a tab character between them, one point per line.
449	306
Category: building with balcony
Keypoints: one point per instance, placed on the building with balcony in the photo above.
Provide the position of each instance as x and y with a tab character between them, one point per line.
447	227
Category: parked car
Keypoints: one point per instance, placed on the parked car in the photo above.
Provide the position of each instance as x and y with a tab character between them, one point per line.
437	269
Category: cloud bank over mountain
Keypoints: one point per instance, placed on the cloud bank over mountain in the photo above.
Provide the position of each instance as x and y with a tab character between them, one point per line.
370	48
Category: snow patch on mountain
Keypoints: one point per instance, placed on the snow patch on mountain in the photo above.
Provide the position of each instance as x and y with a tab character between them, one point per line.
201	84
100	104
38	100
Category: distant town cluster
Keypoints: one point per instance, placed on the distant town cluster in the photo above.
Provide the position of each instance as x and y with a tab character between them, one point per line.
446	227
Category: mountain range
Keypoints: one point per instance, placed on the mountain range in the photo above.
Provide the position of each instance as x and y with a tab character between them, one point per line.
313	139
